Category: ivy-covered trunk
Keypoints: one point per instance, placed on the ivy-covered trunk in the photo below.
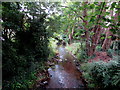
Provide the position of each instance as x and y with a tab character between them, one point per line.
96	30
95	39
86	29
107	41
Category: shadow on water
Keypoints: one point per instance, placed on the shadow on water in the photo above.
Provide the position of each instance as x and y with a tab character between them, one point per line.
65	74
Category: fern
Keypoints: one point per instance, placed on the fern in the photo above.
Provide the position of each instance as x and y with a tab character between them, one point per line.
103	74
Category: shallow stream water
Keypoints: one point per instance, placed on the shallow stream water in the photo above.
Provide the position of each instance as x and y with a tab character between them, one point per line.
65	74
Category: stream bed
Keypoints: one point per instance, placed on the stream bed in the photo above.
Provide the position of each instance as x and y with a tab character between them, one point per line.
64	74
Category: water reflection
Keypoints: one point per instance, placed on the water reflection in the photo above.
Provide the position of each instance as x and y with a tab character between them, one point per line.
65	74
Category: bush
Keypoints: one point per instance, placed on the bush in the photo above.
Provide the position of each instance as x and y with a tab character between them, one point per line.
102	74
82	56
73	48
23	45
78	50
23	81
98	48
52	47
110	52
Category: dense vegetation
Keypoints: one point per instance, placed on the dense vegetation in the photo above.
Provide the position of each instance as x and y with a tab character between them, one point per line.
102	74
33	30
25	43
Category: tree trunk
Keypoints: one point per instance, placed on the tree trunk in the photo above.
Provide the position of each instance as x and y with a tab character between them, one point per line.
97	32
107	41
71	35
95	39
70	38
87	33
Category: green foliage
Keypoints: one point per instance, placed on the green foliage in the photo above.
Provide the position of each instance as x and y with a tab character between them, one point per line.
10	10
78	50
25	45
98	48
23	81
110	52
26	35
82	56
73	48
102	38
53	47
102	74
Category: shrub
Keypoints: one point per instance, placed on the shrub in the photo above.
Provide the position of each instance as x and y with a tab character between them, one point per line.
52	47
78	50
23	45
82	56
102	74
110	52
23	81
73	48
98	48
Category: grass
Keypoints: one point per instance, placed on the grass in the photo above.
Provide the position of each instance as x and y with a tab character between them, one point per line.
73	48
78	50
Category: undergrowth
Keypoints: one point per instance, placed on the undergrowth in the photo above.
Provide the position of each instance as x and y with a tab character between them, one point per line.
102	74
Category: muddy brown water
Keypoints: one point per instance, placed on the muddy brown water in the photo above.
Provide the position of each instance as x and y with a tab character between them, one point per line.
65	74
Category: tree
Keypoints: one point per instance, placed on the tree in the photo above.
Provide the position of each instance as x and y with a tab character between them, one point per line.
25	42
113	27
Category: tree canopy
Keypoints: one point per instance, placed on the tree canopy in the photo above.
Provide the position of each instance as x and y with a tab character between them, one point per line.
30	31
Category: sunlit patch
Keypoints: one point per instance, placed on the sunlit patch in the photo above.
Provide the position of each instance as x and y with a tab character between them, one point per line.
65	59
60	60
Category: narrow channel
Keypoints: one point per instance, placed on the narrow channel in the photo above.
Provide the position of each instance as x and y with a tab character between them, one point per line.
65	74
